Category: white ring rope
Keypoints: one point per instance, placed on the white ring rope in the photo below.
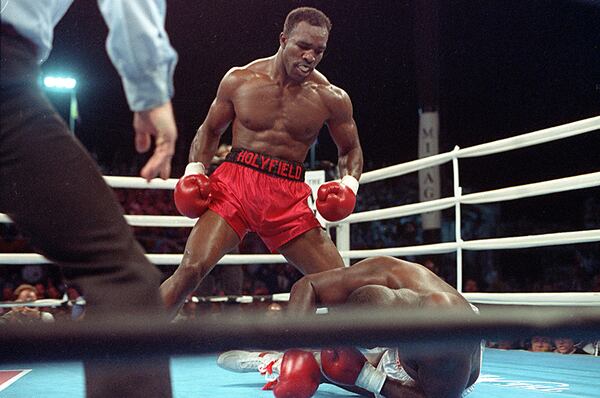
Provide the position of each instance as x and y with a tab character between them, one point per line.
517	242
510	193
523	242
520	141
408	167
541	299
398	211
544	299
497	195
160	221
533	138
140	183
536	189
43	302
507	144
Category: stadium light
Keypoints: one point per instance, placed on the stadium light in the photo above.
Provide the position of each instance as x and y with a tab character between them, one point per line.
60	83
65	84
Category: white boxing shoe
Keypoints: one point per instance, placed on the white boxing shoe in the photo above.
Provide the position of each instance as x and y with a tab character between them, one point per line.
248	361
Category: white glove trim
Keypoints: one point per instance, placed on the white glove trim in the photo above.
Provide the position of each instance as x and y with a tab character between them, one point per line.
351	183
194	168
370	378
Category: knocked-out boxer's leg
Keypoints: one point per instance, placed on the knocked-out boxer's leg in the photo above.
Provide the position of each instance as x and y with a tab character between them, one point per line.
210	239
312	252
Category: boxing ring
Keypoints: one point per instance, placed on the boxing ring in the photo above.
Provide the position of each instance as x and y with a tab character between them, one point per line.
191	345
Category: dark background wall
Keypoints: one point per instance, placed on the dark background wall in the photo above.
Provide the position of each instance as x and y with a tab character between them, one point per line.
506	67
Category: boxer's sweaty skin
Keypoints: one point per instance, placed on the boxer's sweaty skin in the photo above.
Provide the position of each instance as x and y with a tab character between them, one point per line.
275	106
394	283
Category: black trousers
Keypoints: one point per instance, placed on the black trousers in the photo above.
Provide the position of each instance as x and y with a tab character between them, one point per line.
53	190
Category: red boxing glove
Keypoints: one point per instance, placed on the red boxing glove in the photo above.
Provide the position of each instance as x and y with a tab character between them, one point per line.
299	375
348	366
336	200
192	191
342	365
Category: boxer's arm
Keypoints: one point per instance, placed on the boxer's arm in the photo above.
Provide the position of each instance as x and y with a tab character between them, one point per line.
344	133
303	297
221	113
327	288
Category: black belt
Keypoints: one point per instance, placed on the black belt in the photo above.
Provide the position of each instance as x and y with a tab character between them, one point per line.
267	164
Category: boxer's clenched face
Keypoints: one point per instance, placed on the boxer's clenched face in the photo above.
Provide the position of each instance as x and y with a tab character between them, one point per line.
303	49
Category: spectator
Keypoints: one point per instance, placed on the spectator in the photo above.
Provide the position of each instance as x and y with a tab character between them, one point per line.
471	286
23	294
540	344
40	290
506	345
283	281
431	266
7	293
502	344
52	292
566	345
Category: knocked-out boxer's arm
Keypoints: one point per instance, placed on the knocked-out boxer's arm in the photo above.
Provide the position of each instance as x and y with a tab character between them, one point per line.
344	133
221	113
303	298
330	287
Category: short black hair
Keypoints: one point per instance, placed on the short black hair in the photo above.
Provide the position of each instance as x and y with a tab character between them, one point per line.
307	14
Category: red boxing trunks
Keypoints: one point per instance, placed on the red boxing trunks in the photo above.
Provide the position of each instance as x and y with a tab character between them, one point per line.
257	192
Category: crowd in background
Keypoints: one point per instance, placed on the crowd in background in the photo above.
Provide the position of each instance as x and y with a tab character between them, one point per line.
564	268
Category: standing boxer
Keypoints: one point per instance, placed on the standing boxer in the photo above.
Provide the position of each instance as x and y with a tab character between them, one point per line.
277	106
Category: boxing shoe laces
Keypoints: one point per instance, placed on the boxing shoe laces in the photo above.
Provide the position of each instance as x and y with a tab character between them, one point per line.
271	372
248	361
270	369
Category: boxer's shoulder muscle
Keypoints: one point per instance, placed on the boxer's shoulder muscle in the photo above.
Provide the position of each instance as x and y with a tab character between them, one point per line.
335	99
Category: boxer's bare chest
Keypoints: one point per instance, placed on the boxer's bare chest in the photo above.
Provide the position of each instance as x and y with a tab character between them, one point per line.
262	105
